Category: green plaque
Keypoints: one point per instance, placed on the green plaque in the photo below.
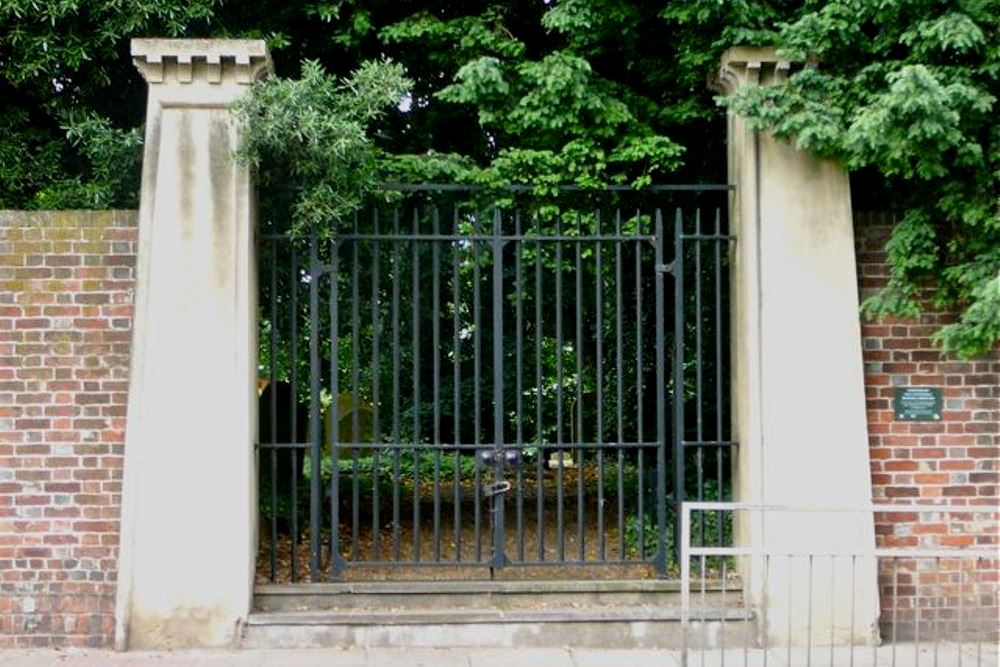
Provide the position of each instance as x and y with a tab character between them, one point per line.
917	404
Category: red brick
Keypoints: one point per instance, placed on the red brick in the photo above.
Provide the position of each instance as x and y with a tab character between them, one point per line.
928	453
960	445
983	452
42	369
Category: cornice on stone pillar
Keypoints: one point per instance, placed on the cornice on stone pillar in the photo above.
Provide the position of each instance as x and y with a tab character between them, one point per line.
212	61
750	65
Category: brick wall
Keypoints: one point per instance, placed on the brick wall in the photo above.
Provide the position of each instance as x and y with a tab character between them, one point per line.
65	327
65	313
951	461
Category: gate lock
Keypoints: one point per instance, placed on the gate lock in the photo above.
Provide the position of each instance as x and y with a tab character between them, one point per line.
496	489
488	457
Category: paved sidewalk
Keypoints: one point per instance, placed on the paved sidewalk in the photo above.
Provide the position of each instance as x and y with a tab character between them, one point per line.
948	655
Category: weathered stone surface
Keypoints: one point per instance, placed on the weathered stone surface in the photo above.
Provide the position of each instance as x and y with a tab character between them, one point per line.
188	514
798	385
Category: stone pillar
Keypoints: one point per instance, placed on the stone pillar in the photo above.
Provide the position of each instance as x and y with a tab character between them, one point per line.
798	385
188	536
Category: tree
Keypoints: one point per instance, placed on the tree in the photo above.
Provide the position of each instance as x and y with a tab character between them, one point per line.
907	90
312	133
70	132
582	91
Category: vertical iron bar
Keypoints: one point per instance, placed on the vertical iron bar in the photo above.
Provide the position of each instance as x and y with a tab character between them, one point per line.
336	561
916	610
519	404
436	344
699	451
833	605
721	493
273	353
619	357
809	615
661	423
704	610
355	396
456	390
578	454
961	608
746	618
497	499
539	453
599	437
978	632
477	389
937	611
850	631
314	405
789	596
722	630
878	586
678	379
376	390
416	386
294	452
717	244
766	620
560	537
895	605
640	430
685	567
396	390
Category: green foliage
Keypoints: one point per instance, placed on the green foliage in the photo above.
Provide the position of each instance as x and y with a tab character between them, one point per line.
114	156
382	469
567	91
70	123
547	120
979	327
908	89
708	528
641	530
65	38
311	134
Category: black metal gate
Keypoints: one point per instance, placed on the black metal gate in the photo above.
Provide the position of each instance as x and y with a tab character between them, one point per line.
494	380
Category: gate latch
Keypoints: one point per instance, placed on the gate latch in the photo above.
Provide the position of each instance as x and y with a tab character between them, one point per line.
496	489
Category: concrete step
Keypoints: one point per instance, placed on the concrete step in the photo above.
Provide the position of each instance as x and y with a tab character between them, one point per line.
475	594
634	614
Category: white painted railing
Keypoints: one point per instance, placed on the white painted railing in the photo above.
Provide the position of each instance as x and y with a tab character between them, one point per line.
935	604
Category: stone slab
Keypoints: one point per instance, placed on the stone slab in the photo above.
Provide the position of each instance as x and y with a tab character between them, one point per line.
906	655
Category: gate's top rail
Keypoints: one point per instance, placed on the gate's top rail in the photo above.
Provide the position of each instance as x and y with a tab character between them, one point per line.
521	187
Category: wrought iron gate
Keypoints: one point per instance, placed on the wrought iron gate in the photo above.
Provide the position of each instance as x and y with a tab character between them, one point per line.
495	380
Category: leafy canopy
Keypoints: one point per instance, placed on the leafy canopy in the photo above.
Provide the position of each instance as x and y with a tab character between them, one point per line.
312	133
71	100
578	91
907	89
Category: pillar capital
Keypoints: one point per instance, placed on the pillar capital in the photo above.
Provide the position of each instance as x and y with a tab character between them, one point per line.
196	62
750	65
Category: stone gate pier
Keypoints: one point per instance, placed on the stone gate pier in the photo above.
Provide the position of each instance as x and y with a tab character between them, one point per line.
188	539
